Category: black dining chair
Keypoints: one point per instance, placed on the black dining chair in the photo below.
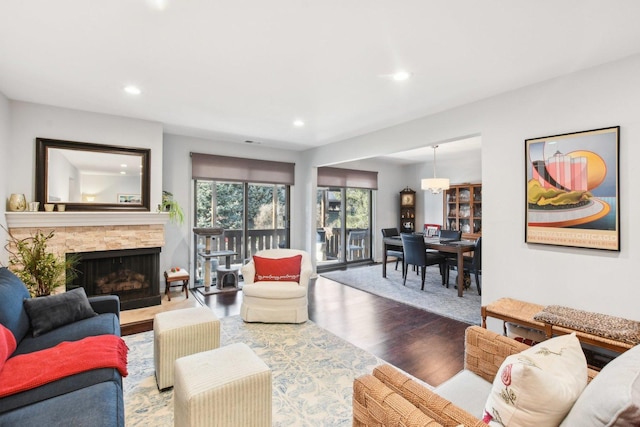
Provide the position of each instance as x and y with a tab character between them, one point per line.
398	255
471	264
415	253
450	235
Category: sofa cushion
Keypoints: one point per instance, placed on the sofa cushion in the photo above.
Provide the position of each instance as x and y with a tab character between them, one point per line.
539	385
50	312
107	323
467	391
277	269
100	405
7	345
274	290
612	398
12	314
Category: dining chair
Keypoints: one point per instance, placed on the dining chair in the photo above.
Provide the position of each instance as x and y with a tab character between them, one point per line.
356	243
471	264
415	253
431	230
450	235
398	255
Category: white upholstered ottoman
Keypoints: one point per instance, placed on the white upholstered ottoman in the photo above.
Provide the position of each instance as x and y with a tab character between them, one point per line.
180	333
229	386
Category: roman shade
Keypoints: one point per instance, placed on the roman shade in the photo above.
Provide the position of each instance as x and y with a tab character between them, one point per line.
351	178
224	168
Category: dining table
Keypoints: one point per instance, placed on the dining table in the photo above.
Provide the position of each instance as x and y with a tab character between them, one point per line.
458	247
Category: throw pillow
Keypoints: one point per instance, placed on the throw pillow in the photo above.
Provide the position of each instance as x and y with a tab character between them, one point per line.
51	312
539	385
612	398
12	313
277	269
7	345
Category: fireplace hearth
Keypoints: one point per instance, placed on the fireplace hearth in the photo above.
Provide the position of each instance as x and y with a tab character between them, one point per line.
132	274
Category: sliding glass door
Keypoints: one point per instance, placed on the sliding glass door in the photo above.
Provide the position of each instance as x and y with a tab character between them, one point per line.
254	217
343	230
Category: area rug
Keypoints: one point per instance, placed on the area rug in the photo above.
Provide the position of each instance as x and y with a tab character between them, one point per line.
313	372
435	297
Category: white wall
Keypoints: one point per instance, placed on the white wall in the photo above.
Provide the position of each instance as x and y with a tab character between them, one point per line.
604	96
177	180
4	174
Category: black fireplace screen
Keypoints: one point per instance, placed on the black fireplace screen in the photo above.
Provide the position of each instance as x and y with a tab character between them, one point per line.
132	274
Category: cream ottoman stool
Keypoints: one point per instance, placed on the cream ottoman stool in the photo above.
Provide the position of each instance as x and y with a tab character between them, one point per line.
180	333
229	386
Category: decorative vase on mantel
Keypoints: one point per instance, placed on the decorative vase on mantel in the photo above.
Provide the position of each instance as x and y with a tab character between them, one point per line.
17	202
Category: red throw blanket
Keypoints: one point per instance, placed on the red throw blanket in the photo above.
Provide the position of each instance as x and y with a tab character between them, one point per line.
32	370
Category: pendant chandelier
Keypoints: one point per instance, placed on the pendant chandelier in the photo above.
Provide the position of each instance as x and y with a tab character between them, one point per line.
435	185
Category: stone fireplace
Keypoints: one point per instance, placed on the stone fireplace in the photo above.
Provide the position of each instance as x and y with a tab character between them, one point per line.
131	241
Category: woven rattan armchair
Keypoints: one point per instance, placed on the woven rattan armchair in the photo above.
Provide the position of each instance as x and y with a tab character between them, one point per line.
388	397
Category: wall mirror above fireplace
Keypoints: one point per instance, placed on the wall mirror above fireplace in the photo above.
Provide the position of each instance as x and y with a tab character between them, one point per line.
92	177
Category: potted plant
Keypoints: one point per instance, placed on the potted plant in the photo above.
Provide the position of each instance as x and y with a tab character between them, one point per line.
40	270
169	205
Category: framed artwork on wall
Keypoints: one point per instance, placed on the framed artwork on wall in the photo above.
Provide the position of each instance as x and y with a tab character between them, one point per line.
572	189
129	198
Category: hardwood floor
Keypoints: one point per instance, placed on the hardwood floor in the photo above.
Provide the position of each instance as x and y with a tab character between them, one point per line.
426	345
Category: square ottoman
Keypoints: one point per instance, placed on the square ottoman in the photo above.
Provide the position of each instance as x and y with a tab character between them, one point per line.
180	333
229	386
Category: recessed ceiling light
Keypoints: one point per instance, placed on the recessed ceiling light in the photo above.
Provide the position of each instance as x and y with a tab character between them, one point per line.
123	173
298	123
124	165
132	90
401	75
158	4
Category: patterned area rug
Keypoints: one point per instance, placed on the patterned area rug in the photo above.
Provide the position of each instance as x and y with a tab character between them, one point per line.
313	372
435	297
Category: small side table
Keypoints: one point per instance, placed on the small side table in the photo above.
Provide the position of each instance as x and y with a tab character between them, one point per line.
180	275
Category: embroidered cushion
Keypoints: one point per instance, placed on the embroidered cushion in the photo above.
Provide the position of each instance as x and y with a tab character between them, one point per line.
51	312
277	269
539	385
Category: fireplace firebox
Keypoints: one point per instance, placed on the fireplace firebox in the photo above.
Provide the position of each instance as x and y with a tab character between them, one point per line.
132	274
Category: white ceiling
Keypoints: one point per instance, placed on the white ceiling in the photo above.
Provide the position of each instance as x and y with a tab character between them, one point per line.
246	69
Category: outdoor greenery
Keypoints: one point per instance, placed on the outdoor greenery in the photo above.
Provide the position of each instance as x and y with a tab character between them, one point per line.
40	270
220	204
356	208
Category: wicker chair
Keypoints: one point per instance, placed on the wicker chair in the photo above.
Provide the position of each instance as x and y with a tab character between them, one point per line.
389	397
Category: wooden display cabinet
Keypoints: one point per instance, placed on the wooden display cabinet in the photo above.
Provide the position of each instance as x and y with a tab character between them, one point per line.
407	211
463	210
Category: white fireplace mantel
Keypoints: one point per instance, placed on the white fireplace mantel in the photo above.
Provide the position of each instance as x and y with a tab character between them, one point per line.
82	219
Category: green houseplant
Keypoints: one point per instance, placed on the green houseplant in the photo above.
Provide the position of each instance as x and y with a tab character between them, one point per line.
40	270
176	214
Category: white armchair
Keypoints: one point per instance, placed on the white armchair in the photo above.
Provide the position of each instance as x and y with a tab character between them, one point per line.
276	302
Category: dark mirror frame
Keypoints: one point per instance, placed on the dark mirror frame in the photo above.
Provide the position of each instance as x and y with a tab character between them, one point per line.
42	147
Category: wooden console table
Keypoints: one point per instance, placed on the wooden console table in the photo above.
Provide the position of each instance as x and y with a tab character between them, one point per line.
522	313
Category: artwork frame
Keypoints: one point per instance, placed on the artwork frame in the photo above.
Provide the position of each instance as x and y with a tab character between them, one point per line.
129	199
572	189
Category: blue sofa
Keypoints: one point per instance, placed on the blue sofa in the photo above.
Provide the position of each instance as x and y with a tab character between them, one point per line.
92	398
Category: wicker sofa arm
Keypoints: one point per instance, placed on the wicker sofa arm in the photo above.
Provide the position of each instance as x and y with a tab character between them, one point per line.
375	404
434	406
485	350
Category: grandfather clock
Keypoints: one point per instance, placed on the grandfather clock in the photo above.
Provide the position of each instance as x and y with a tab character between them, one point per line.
407	211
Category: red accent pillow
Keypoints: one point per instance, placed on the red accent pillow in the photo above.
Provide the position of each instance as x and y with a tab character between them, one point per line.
277	269
7	345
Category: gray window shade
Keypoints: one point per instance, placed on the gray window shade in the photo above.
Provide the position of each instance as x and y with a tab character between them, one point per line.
337	177
223	168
